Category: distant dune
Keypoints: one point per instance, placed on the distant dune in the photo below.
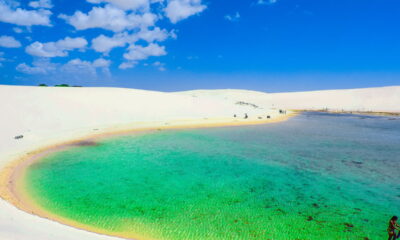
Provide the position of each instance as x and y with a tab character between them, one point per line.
382	99
45	115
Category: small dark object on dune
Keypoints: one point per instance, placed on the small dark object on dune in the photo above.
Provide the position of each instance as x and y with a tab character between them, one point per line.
246	103
245	116
268	116
282	111
19	137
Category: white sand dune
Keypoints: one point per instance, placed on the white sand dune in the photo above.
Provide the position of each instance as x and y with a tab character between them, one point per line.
383	99
45	115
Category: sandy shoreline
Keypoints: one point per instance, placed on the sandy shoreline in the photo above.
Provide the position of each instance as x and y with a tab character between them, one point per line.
14	174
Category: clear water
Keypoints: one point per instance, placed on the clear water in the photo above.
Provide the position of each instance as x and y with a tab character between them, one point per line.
316	176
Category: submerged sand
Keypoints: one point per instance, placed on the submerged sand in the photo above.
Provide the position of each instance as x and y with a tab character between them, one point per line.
53	116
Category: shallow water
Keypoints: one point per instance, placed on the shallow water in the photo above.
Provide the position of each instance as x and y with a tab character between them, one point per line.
316	176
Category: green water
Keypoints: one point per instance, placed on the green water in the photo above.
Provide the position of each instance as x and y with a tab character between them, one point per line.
316	176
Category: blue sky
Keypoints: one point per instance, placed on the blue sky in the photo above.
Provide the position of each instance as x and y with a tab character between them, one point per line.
169	45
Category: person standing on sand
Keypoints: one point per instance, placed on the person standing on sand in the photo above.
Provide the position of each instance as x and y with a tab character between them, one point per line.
392	227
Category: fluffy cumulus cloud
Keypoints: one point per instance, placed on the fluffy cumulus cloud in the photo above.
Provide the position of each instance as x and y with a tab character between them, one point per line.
56	49
136	53
41	4
40	66
82	67
19	16
110	18
9	42
130	24
132	21
178	10
126	4
127	65
74	67
101	63
104	44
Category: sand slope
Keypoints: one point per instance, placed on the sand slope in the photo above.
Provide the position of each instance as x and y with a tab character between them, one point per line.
44	115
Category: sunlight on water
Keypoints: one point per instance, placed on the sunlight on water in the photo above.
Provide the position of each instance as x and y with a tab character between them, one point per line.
316	176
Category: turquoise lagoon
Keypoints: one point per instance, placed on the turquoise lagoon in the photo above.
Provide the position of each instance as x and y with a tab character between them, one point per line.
316	176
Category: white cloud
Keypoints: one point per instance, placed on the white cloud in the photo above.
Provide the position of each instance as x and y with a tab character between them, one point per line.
105	44
41	4
9	42
233	18
136	52
110	18
156	34
101	62
40	66
17	30
266	2
12	3
78	67
126	65
126	4
72	43
75	67
2	59
23	17
178	10
56	49
160	66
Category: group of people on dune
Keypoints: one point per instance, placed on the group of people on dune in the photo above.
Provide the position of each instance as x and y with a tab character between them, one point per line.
393	226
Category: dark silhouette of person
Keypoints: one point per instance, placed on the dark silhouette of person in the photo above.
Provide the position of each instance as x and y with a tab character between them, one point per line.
393	226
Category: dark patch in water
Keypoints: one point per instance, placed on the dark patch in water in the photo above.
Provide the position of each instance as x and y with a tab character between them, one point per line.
86	143
357	162
315	205
349	225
